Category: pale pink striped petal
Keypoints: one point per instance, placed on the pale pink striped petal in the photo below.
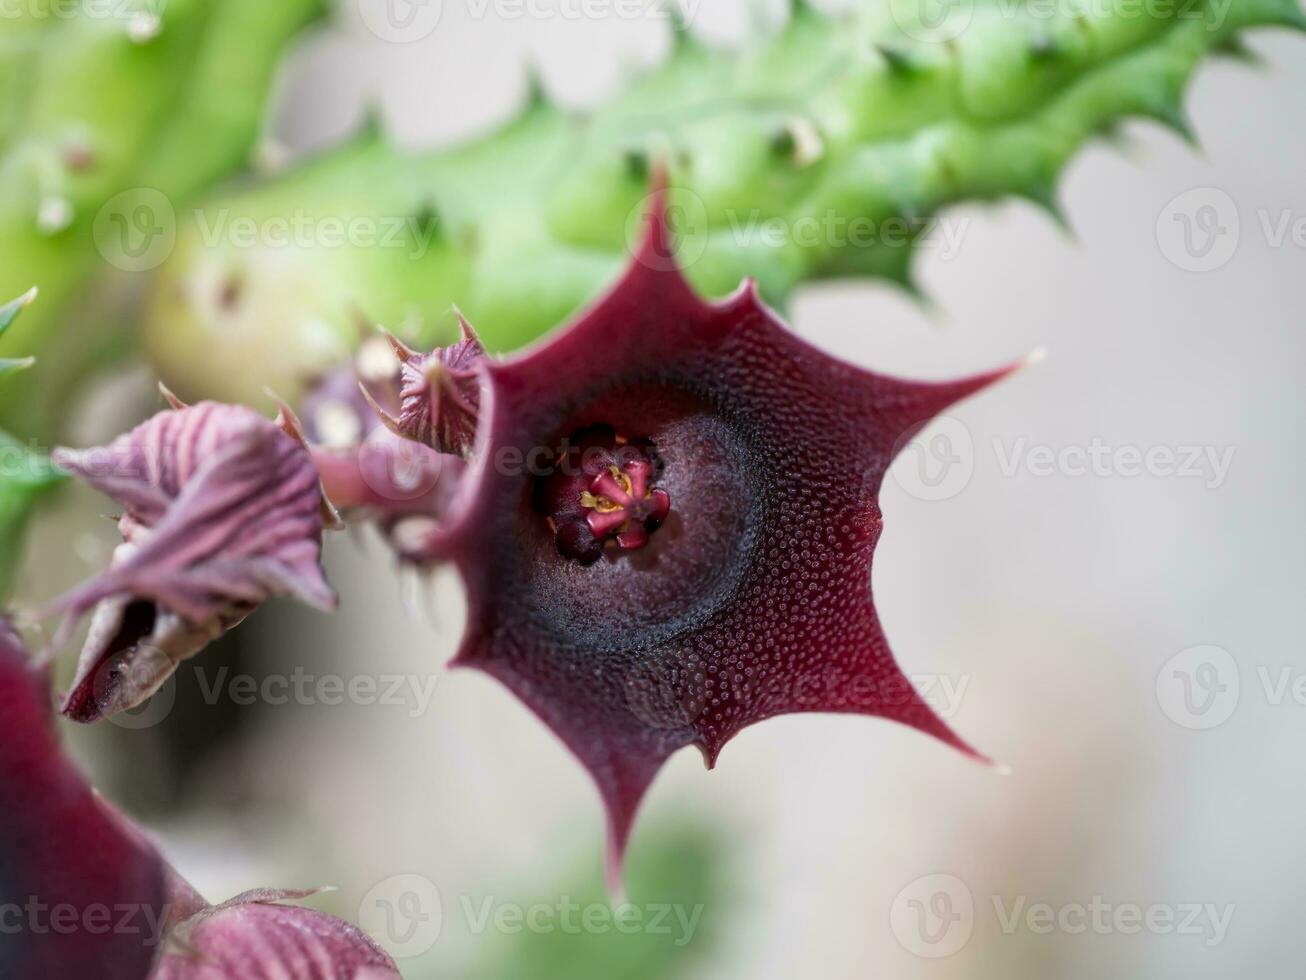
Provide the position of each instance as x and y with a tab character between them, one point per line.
224	509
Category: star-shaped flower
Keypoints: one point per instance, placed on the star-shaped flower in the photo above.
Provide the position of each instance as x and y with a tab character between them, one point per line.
748	502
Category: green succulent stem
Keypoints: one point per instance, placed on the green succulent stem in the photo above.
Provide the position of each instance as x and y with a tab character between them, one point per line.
25	474
99	100
823	152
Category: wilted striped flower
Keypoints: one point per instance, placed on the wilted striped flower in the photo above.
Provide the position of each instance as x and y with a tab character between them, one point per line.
222	509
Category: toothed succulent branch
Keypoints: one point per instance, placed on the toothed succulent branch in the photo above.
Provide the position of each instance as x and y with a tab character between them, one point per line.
832	121
105	111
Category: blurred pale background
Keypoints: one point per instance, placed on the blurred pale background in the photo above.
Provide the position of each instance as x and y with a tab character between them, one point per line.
1052	603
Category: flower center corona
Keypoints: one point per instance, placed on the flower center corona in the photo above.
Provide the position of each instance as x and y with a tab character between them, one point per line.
602	490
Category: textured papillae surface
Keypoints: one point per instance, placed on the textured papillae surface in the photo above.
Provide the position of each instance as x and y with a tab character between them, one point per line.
848	131
222	509
752	598
61	849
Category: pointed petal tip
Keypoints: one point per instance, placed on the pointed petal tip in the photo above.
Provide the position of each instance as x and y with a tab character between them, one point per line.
950	738
1031	360
83	711
285	414
331	518
614	867
467	331
401	350
746	296
387	420
67	458
1011	369
175	403
1035	357
317	592
709	752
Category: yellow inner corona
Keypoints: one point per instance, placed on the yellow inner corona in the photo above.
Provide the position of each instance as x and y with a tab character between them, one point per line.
605	505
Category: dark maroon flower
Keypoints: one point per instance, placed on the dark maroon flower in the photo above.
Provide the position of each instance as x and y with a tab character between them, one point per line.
81	895
222	509
440	393
747	498
84	893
